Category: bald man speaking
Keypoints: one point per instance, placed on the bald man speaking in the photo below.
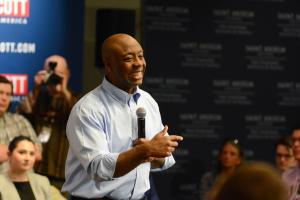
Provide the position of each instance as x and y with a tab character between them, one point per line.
106	159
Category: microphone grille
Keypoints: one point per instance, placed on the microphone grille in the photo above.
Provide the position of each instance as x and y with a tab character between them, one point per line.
141	112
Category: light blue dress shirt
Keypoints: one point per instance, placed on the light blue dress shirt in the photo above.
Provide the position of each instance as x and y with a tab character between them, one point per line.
101	125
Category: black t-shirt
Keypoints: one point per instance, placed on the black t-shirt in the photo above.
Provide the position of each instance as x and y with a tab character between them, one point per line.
24	190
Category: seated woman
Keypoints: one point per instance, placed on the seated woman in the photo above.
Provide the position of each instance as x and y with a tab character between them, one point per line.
19	182
229	158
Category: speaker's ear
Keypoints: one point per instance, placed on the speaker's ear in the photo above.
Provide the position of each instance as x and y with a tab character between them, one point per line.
107	70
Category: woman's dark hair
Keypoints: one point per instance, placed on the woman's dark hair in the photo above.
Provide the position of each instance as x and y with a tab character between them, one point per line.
3	79
285	141
234	142
13	144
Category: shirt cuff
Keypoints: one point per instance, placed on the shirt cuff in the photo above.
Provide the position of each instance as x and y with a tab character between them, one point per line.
169	162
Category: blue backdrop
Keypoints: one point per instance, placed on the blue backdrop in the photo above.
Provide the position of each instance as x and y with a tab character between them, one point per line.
28	37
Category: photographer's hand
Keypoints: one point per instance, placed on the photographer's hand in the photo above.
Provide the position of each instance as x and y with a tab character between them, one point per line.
39	77
64	86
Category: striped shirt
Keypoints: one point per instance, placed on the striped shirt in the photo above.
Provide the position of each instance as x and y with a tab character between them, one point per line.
12	125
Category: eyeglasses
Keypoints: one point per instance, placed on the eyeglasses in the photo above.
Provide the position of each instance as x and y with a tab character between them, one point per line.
285	156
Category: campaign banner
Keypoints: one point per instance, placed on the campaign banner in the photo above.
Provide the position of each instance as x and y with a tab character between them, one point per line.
31	31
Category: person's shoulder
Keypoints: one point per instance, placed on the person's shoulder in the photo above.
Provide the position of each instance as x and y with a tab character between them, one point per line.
39	178
3	177
89	101
35	175
146	95
15	116
291	173
5	182
39	182
89	96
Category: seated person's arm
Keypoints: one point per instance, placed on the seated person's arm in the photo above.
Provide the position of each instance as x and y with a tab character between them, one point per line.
3	153
38	152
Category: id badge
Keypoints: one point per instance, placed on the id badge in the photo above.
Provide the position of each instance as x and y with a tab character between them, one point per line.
45	134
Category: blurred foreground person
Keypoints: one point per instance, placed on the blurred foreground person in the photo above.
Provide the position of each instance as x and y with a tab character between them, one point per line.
230	157
12	125
19	182
284	154
254	181
106	159
292	176
48	106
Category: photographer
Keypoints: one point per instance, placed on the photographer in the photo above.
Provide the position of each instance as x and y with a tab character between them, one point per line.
48	106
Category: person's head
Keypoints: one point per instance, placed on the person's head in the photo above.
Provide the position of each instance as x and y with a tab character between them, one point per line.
284	154
21	153
124	61
230	154
296	143
6	91
59	66
254	181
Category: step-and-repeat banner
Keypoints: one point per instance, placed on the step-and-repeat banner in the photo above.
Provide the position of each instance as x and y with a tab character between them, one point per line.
32	30
221	69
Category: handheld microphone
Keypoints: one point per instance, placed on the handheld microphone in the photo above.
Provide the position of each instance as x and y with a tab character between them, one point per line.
141	113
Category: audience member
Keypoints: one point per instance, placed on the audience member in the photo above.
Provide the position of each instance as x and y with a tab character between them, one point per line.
254	181
229	158
106	160
12	125
292	176
48	107
19	182
284	154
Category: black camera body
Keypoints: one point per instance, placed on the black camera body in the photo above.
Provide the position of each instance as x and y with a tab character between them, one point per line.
51	78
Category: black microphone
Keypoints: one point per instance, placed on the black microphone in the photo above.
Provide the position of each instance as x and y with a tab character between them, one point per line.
141	113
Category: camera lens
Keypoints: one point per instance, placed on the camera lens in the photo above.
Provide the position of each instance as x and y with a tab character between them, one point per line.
52	65
54	79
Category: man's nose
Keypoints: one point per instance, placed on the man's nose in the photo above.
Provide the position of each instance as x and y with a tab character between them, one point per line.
138	61
4	97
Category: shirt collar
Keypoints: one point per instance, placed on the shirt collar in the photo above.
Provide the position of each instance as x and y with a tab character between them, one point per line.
118	94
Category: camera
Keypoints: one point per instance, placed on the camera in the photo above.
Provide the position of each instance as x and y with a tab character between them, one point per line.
51	78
